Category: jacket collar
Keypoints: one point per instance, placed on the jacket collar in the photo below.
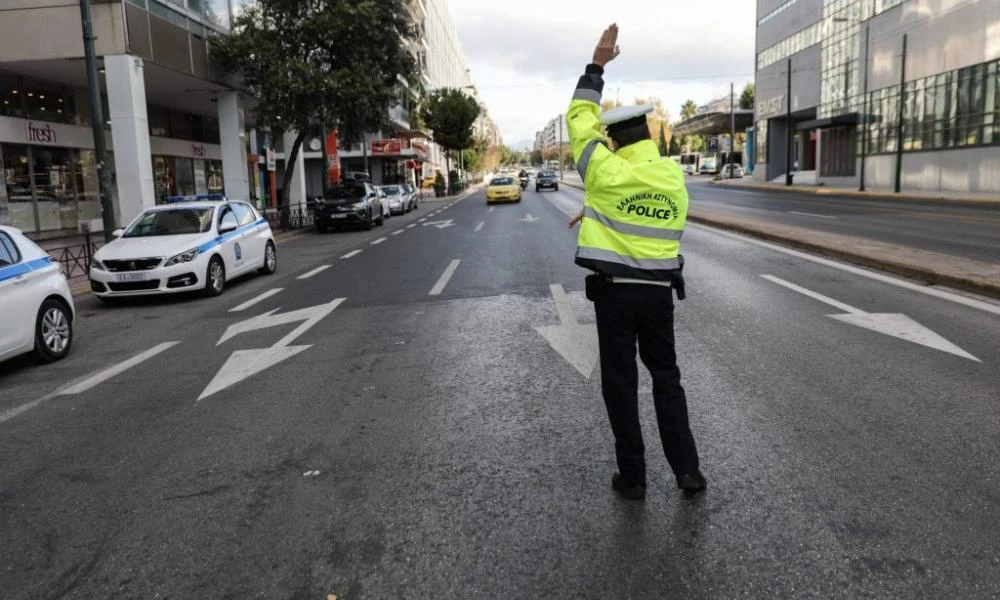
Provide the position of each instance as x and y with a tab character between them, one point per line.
639	152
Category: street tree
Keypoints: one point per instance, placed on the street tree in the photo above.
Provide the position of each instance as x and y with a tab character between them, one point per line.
662	143
747	96
536	157
450	114
674	147
311	65
688	110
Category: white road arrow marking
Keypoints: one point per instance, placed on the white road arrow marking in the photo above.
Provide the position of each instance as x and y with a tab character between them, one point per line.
892	324
242	364
440	224
574	342
530	219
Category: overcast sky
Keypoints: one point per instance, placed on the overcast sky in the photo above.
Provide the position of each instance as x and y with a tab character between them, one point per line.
526	55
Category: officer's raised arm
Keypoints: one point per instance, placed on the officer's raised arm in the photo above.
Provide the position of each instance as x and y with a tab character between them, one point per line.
586	134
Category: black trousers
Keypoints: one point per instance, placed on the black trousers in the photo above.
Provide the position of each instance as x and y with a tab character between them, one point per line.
627	313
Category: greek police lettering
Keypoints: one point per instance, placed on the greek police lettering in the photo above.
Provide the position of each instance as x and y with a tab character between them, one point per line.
41	135
630	206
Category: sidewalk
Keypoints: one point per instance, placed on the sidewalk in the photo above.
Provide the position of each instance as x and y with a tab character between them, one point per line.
930	267
871	193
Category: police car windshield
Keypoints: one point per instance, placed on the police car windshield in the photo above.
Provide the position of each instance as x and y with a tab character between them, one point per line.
174	221
502	181
342	192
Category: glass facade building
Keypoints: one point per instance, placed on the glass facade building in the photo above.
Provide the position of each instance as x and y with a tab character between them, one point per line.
944	116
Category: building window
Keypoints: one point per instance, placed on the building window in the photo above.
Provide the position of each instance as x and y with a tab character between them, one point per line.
17	179
838	152
950	110
214	174
11	93
55	191
164	178
185	177
761	129
88	194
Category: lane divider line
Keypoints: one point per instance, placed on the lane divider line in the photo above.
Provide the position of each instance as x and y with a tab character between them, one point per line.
118	369
445	278
379	241
257	300
421	220
480	226
411	225
398	231
806	214
315	271
350	254
492	208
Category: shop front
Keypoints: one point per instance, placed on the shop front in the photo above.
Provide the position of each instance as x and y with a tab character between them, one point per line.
49	184
185	169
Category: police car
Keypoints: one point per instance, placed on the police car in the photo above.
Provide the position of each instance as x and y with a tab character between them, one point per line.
36	307
184	247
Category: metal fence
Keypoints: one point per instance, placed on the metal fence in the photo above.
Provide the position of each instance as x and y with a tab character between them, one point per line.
75	258
285	218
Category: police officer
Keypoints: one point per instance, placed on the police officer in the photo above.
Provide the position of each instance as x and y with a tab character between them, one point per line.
635	207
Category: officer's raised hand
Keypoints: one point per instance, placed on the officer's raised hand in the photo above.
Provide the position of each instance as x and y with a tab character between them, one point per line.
607	48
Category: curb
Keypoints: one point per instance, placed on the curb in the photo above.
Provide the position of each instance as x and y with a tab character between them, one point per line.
985	285
832	191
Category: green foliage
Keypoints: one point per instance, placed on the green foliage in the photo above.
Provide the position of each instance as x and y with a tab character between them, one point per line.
536	158
450	114
312	62
506	156
674	148
662	143
688	110
747	96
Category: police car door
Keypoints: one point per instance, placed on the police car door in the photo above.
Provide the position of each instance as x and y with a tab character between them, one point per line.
231	246
252	242
18	297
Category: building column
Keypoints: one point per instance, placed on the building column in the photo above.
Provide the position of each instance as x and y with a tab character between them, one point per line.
232	134
129	135
297	186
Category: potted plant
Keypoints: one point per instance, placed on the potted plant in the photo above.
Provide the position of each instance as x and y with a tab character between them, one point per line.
439	185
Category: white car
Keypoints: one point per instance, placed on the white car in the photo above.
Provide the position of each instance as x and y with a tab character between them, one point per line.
184	247
398	199
732	170
688	169
37	307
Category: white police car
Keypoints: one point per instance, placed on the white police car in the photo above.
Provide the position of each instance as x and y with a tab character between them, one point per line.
36	307
184	247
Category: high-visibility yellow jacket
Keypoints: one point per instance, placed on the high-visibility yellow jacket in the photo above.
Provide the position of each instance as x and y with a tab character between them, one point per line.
635	203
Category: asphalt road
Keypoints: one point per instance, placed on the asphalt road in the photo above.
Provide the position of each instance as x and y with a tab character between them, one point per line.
962	230
422	439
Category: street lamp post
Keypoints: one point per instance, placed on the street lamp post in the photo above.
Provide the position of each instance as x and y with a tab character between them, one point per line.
97	116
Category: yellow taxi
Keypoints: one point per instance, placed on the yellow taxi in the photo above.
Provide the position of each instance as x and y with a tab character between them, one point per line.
503	189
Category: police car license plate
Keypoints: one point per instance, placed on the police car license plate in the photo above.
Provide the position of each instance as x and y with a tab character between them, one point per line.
132	277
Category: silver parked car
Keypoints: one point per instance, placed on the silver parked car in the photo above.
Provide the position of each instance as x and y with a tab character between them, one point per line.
399	201
732	170
414	195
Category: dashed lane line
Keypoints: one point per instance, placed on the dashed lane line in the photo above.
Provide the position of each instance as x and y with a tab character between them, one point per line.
315	271
379	241
411	225
257	300
445	278
480	226
398	231
350	254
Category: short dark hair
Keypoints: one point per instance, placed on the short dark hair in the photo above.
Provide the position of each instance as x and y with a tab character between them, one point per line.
629	132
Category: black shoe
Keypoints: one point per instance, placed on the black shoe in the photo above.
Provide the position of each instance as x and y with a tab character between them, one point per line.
692	482
627	490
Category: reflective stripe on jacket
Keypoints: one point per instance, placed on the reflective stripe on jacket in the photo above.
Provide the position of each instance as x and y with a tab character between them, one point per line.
635	203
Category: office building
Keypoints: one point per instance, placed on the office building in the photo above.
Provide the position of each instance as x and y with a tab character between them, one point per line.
174	127
939	129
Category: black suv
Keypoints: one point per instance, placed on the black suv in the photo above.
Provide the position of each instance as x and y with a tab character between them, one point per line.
546	179
353	203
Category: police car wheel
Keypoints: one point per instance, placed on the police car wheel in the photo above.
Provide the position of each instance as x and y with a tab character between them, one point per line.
270	260
215	277
53	331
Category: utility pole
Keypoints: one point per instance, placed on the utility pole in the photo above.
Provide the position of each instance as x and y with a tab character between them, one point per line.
560	148
899	126
788	126
868	112
732	127
97	117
